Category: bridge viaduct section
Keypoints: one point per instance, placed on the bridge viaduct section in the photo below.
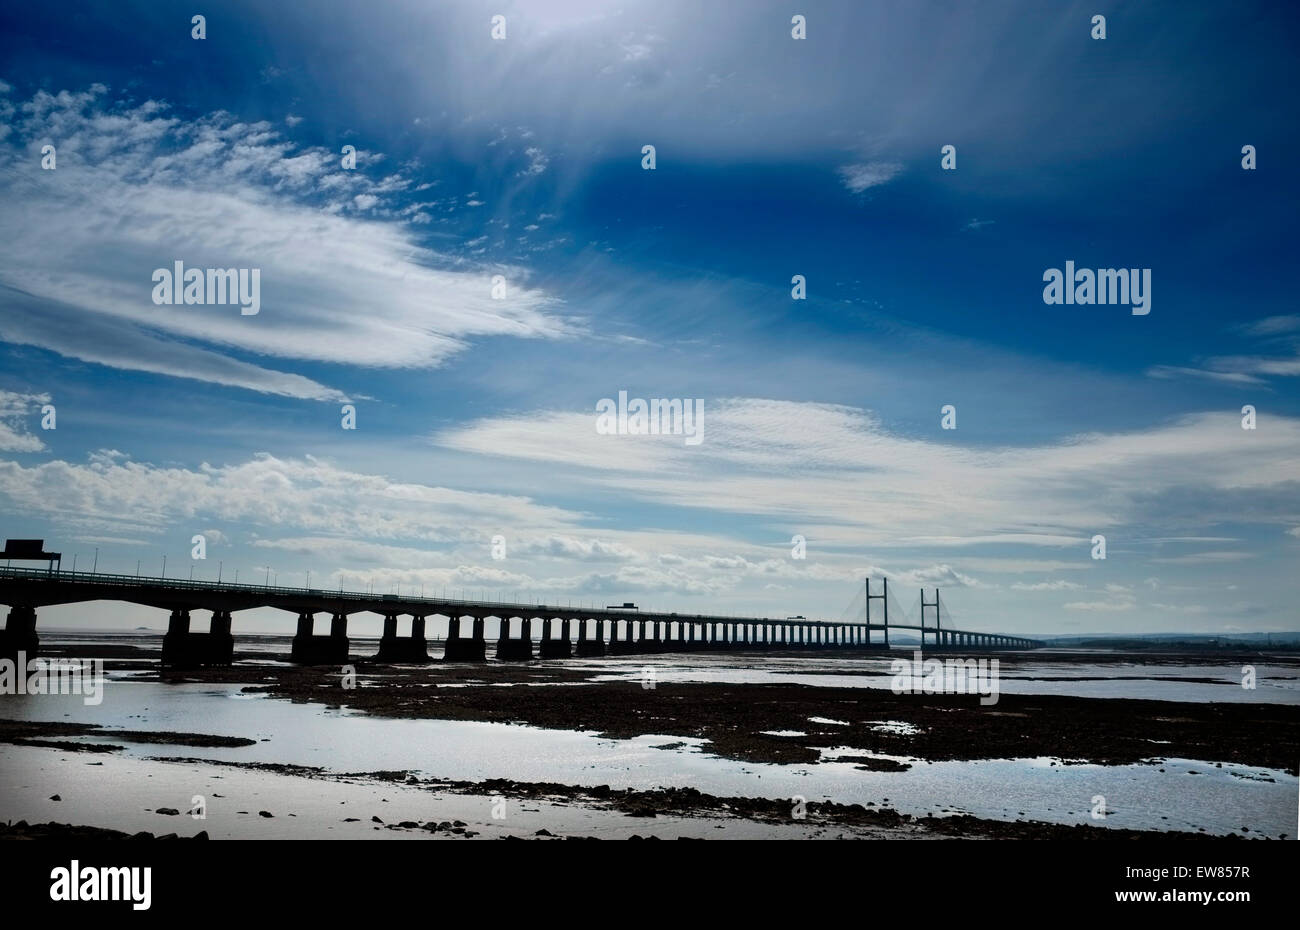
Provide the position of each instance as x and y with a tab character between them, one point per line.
609	631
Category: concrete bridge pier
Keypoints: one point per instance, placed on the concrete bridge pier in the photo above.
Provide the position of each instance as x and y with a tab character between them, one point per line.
555	648
644	644
221	642
19	634
184	648
301	638
340	646
310	649
515	650
624	646
177	649
464	649
403	649
593	646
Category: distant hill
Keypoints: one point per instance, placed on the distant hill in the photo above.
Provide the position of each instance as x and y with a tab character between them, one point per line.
1191	641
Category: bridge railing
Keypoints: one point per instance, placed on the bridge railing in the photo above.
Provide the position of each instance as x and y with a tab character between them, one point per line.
182	584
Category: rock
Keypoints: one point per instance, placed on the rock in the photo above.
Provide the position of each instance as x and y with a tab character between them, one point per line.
201	835
265	814
351	819
375	820
543	832
167	811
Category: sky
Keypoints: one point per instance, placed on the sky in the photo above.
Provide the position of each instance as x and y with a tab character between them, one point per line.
500	260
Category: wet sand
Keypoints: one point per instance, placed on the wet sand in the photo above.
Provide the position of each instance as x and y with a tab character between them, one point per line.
737	718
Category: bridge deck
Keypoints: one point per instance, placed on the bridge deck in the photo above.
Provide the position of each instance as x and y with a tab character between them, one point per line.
26	589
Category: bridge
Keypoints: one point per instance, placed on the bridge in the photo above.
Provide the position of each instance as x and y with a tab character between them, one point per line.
600	631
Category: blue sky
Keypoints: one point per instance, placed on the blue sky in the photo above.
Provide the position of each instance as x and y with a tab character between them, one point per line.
521	158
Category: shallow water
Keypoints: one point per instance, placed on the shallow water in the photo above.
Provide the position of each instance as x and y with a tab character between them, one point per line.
1274	684
124	793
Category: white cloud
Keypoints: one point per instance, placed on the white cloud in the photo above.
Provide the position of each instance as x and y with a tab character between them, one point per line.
944	575
267	491
1273	325
1227	377
137	189
1203	558
861	177
1114	604
1046	586
14	409
537	162
834	472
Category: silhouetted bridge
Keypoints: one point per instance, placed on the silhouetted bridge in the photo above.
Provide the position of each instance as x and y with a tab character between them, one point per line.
600	631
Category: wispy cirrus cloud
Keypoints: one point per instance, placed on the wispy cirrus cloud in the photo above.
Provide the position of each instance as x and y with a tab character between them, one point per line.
1248	369
837	471
344	276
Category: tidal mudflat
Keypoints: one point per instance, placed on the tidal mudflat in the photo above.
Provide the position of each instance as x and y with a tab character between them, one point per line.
702	746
